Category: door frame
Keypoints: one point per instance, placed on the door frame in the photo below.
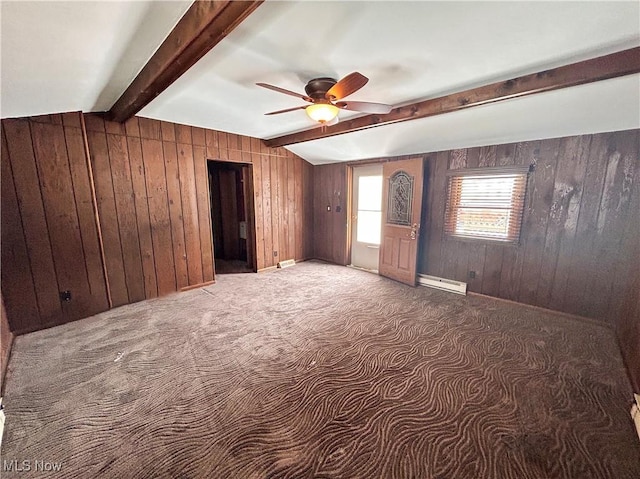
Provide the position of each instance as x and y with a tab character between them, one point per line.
351	212
349	205
349	201
249	207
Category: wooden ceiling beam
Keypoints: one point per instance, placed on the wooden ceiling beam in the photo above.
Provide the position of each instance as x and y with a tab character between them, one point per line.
618	64
201	28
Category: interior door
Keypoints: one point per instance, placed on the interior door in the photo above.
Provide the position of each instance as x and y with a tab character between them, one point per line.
401	210
366	216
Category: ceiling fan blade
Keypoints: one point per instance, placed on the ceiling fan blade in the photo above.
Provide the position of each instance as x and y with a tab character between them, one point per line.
286	110
365	107
286	92
348	85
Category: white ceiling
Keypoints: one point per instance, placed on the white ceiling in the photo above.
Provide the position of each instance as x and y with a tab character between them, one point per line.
610	105
81	55
74	55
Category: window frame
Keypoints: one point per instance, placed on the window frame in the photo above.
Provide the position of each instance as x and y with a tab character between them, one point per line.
516	210
359	209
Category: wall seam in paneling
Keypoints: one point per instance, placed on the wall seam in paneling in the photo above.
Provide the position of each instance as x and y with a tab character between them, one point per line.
207	191
23	234
184	228
484	260
620	245
591	154
166	185
267	236
142	203
546	226
582	211
195	212
157	202
135	214
146	190
443	239
195	189
94	201
275	211
295	213
75	202
586	150
115	206
176	214
500	276
44	209
600	210
602	188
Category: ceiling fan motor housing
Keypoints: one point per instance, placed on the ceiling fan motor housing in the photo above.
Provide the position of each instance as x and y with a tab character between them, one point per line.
318	87
325	92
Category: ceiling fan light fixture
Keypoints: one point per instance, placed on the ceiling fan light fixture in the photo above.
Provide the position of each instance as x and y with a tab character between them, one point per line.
322	112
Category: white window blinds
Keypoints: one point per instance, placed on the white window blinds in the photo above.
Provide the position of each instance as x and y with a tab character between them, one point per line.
486	203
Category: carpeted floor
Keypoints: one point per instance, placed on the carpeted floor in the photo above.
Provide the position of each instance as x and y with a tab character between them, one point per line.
321	371
226	266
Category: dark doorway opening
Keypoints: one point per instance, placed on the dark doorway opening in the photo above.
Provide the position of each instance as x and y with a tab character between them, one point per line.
232	217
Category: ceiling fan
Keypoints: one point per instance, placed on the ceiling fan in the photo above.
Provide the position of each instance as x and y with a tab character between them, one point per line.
325	94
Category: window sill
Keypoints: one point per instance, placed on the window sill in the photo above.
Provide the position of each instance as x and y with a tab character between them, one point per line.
474	239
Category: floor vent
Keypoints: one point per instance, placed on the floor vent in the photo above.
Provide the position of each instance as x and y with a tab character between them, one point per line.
444	284
286	263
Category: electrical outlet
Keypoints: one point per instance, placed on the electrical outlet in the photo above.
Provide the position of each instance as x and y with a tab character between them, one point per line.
338	209
275	253
472	274
65	296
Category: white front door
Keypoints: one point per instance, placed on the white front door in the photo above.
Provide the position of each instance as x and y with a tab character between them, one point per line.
366	216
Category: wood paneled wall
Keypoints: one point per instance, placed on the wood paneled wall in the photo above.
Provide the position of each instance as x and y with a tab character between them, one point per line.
628	328
6	341
580	244
580	224
49	235
575	251
330	191
152	200
283	189
628	319
153	197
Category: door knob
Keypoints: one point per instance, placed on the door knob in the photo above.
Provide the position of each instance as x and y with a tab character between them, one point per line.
414	231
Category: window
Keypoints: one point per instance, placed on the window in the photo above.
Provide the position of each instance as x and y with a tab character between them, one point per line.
486	203
369	209
400	196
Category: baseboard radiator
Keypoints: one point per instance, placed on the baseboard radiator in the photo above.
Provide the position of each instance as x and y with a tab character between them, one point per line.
444	284
286	263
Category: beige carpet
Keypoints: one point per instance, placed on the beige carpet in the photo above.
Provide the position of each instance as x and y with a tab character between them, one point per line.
321	371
